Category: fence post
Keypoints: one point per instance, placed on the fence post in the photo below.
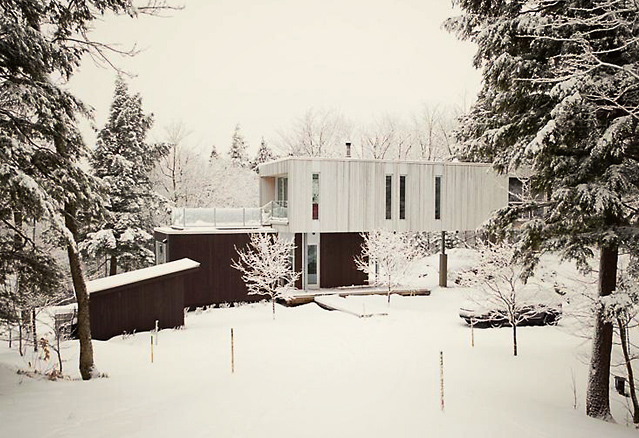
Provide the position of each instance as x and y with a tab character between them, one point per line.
472	332
232	353
443	262
151	347
156	332
441	379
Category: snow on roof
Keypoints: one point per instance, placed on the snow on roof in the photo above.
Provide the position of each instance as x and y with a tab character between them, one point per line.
212	230
141	275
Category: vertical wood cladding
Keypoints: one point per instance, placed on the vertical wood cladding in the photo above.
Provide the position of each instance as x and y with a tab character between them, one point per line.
136	307
216	281
337	264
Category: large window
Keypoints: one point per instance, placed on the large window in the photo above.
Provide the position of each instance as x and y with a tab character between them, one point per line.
519	192
315	196
282	190
389	196
515	191
402	197
438	197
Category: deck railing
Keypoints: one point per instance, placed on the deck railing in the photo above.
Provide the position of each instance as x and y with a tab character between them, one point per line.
273	212
217	217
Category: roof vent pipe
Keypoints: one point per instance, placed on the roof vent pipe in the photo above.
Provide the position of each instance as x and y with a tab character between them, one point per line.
348	149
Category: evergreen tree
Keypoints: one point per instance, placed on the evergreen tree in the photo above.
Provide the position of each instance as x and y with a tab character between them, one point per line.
237	153
123	161
264	154
40	144
560	96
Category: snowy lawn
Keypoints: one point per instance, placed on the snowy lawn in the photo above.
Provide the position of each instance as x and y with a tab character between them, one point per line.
315	373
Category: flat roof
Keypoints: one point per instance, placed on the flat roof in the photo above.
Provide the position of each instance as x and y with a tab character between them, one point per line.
141	275
212	230
373	160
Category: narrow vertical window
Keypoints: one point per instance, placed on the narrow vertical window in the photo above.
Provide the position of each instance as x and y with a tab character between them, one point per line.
438	197
402	197
311	264
389	196
160	252
315	196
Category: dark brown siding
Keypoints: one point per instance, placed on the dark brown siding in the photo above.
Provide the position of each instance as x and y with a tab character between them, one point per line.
136	307
298	260
216	281
337	264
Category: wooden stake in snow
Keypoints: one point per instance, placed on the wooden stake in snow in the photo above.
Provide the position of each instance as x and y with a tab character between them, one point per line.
156	331
441	379
232	353
472	332
151	347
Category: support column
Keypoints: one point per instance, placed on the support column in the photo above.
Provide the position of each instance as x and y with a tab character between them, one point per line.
443	263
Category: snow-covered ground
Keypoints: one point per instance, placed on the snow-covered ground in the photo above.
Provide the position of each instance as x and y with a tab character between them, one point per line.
315	373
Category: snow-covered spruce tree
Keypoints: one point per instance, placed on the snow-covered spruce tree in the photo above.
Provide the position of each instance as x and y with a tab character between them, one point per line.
123	160
237	153
560	95
40	144
264	154
386	258
266	266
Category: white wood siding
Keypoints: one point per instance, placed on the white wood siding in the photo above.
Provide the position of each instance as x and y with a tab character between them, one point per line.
353	193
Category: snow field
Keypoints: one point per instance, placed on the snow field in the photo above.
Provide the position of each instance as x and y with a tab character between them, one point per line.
315	373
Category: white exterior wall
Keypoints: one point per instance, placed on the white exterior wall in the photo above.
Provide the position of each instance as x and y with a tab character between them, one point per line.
352	194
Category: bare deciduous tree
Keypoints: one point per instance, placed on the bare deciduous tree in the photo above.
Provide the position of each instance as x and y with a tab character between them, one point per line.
318	133
498	286
386	258
385	138
266	266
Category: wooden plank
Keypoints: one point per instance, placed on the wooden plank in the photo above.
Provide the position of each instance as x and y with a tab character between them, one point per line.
336	302
301	297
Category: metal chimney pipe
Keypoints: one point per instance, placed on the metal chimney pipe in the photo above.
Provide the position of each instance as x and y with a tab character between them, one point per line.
348	149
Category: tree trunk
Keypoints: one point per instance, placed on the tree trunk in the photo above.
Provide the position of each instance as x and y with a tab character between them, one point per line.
34	330
273	302
598	393
623	334
514	338
58	352
20	327
113	265
81	295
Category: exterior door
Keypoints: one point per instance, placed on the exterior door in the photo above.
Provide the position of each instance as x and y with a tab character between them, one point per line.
312	261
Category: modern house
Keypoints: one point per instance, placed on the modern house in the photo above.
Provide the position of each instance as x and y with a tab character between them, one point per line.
324	204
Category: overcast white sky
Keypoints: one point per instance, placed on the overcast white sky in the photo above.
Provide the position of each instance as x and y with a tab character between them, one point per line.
263	63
